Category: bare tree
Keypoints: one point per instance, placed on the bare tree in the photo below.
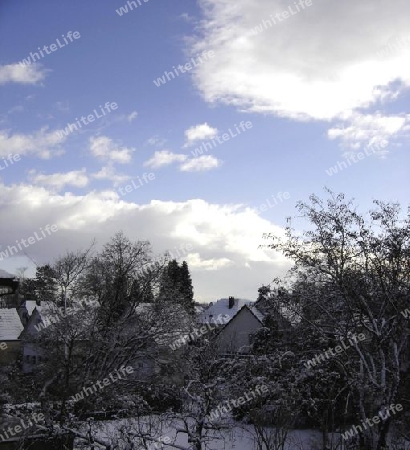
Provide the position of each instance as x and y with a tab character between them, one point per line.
362	268
105	324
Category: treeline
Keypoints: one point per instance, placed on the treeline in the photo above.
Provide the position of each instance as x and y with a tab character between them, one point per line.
84	276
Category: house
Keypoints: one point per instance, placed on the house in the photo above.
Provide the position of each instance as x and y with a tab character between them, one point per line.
153	351
236	336
9	285
36	317
10	331
159	358
235	320
221	312
10	323
281	320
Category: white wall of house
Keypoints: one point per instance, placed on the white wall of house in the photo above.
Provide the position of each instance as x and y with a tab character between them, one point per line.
236	336
32	356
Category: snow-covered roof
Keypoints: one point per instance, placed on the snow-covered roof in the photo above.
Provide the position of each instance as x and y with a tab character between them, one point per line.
50	313
255	311
48	309
10	325
200	309
4	274
220	309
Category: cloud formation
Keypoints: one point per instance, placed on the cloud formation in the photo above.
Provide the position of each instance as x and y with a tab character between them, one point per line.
42	143
110	174
17	73
199	133
57	181
224	238
303	67
369	129
106	149
164	158
205	162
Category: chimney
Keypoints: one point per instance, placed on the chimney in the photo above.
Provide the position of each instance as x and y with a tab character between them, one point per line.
231	302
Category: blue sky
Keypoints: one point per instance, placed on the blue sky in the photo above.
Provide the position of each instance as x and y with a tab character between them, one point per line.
318	87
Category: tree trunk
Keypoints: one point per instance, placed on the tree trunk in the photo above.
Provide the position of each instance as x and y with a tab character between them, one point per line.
383	432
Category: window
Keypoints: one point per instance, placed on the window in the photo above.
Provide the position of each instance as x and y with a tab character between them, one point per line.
252	337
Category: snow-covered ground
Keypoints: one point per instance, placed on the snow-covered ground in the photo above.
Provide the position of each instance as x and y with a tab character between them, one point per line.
237	438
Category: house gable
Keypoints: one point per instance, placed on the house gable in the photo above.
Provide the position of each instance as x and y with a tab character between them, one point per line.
222	311
236	335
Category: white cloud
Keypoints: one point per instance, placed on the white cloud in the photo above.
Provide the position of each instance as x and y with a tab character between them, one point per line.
109	173
304	66
223	237
369	129
205	162
76	178
199	133
152	140
132	116
156	141
105	148
164	158
42	143
17	73
194	261
394	45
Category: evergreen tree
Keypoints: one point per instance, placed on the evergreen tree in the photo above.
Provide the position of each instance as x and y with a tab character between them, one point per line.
174	274
141	292
168	285
186	287
28	289
46	284
148	294
176	285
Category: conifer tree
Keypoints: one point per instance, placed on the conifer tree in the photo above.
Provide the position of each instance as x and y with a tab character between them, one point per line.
176	284
186	287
